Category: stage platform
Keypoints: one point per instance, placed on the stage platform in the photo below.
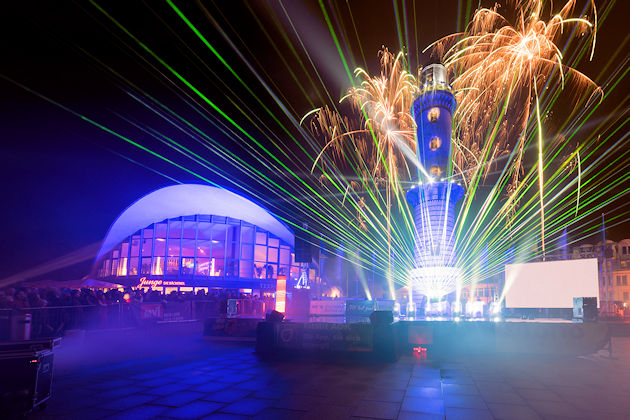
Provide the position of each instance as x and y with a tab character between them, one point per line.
441	339
540	337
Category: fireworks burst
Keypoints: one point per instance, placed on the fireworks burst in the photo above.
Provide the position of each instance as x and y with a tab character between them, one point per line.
500	70
380	132
380	135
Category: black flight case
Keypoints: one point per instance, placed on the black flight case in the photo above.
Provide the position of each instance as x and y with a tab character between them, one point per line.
26	371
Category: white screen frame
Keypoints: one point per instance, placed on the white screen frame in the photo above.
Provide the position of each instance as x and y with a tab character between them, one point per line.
550	284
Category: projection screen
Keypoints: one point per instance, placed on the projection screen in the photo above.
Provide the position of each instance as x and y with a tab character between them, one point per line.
551	284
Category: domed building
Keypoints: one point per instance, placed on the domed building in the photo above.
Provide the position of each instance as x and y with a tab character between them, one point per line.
189	237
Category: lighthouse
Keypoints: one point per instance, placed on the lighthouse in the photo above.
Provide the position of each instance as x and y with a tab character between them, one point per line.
434	197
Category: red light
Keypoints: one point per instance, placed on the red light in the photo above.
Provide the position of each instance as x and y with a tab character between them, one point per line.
420	352
281	294
34	361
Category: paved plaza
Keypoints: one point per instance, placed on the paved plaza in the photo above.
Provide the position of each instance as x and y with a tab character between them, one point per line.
192	378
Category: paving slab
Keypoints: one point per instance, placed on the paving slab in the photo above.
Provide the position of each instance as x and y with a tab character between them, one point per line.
216	380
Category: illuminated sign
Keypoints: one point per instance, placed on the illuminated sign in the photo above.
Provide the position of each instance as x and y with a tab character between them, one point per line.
281	294
144	282
327	307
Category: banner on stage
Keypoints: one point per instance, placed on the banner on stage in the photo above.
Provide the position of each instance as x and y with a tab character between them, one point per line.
327	307
359	307
324	336
384	305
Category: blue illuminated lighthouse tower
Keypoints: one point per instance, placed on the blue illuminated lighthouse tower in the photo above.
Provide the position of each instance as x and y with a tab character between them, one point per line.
434	198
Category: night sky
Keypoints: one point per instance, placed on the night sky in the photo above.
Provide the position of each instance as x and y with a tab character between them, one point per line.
65	180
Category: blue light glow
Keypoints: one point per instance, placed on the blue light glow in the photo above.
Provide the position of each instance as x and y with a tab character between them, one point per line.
434	200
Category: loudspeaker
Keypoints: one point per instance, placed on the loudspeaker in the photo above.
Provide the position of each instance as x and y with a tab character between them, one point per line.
274	316
381	317
585	309
303	251
590	309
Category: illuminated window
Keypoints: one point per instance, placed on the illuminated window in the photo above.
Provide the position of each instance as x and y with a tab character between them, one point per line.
135	245
219	233
108	267
158	266
272	255
434	114
435	143
203	248
285	255
203	266
216	267
175	229
133	266
246	269
435	171
174	247
187	266
190	230
284	270
231	268
261	238
234	234
247	251
247	234
260	253
218	249
172	266
204	230
259	270
160	230
271	271
188	248
145	268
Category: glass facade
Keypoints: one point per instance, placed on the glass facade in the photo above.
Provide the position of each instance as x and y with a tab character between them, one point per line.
200	251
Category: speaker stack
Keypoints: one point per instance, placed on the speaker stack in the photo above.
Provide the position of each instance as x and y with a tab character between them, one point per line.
585	309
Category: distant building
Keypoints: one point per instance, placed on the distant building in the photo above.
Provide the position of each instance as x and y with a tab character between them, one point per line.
614	271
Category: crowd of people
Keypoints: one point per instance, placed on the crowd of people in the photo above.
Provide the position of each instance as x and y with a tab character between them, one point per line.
30	297
56	310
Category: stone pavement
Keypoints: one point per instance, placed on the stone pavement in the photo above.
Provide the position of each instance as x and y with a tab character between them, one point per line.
231	383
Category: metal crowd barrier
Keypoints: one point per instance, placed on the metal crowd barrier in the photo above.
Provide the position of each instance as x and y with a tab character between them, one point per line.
54	321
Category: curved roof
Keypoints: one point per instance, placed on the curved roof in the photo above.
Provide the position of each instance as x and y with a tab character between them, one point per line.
187	200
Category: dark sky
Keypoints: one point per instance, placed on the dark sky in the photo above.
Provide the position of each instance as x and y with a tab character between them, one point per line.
65	180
